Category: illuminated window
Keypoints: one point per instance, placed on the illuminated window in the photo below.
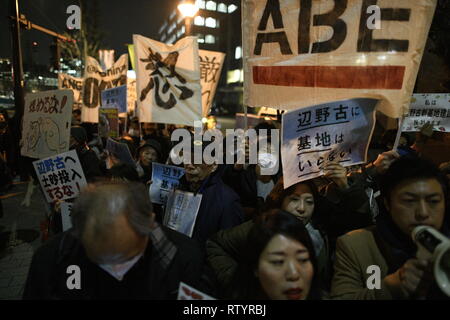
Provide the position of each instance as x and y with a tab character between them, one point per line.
211	5
234	76
222	7
210	39
232	8
238	53
201	4
201	38
210	22
199	21
183	29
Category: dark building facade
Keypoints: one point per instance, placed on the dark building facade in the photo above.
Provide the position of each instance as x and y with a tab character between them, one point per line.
217	25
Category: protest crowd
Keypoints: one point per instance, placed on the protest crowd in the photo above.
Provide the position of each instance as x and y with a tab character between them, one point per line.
135	223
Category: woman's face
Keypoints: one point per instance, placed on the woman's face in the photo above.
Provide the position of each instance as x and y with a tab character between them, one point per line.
300	203
285	271
148	155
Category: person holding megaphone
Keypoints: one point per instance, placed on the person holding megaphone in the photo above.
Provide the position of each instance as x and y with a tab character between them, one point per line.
383	262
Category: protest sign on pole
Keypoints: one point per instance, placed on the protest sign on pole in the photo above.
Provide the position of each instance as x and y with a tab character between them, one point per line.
108	124
120	151
131	93
165	179
168	81
75	84
211	63
118	96
61	176
186	292
303	53
433	108
66	212
181	211
96	80
46	123
337	132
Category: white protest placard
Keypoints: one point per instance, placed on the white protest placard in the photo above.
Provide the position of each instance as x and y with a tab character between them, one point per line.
165	179
333	132
66	212
61	176
46	123
75	84
168	81
96	80
303	53
211	63
433	108
131	93
118	96
181	211
186	292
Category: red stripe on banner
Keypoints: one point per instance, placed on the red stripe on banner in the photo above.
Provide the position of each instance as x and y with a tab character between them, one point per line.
350	77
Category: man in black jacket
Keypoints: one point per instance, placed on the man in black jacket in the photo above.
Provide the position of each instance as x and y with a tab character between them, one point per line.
115	250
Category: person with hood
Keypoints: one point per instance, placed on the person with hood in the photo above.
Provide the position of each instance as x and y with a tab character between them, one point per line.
415	193
90	163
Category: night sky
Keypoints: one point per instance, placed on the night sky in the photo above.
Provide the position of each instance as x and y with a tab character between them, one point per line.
118	19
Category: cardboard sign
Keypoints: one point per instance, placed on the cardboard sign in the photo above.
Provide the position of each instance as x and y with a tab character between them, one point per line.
75	84
302	53
168	81
108	125
131	94
46	123
61	176
116	96
66	212
181	211
186	292
334	132
96	80
211	63
165	179
431	108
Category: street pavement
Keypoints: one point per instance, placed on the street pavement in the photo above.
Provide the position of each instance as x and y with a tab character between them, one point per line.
18	226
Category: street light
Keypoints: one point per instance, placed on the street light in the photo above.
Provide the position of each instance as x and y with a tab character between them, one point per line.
188	9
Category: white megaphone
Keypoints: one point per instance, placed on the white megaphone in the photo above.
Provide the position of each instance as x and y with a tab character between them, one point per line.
433	244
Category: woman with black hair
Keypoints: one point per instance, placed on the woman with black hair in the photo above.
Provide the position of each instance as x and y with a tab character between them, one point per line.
280	262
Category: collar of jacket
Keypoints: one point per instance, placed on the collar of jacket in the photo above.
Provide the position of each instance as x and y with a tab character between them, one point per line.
212	179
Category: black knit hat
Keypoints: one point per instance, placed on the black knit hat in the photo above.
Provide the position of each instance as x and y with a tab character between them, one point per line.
150	143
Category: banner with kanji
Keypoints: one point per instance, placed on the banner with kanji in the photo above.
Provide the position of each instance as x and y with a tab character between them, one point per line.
211	63
131	94
433	108
168	81
96	80
46	123
118	96
61	176
303	53
75	84
333	132
165	179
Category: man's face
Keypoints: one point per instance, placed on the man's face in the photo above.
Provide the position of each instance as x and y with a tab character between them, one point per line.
417	202
196	173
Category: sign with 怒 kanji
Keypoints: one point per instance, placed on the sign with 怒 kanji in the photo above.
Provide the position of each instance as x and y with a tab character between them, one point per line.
168	81
433	108
333	132
165	179
61	176
299	53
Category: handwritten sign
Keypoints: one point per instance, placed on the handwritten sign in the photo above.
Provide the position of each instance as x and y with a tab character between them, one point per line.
118	96
108	122
75	84
165	179
61	176
181	211
211	63
186	292
46	123
431	108
334	132
302	53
